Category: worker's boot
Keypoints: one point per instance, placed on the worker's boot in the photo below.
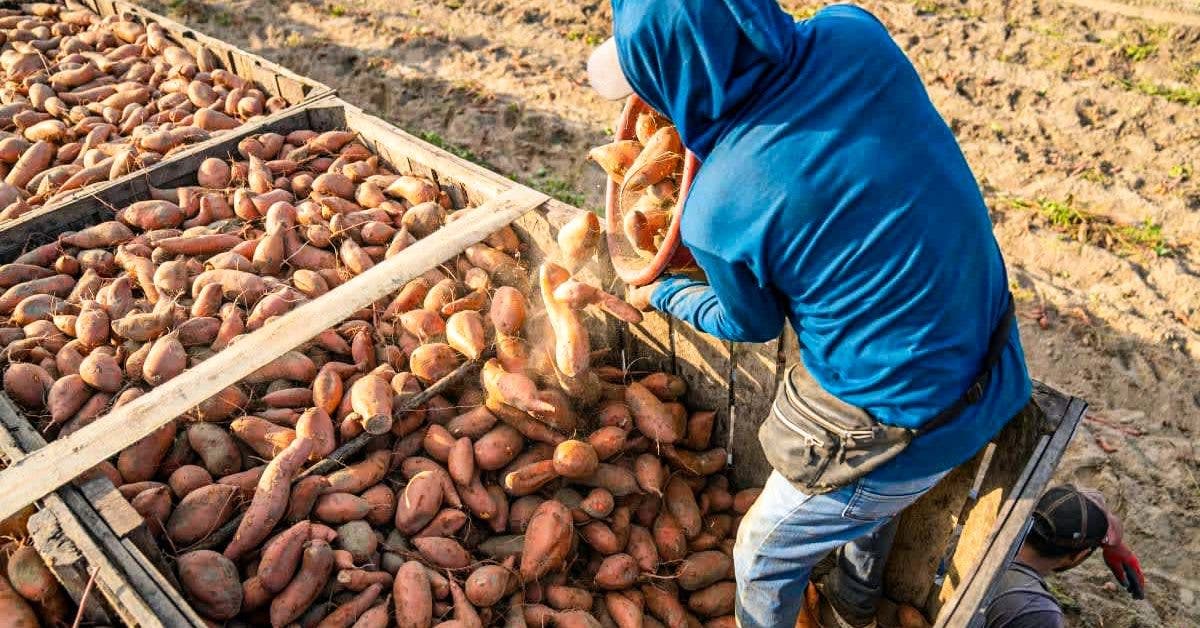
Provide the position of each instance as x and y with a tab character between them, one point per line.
832	614
808	612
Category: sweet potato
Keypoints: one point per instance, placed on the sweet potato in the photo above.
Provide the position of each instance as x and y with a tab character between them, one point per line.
413	596
270	500
513	389
348	612
697	464
571	346
101	371
713	601
465	333
316	565
304	496
651	474
383	504
598	503
651	416
212	584
419	502
618	571
200	513
575	459
664	605
433	361
579	295
699	430
577	240
658	159
358	477
548	539
167	358
681	503
616	157
31	578
625	608
601	537
744	499
446	522
140	461
615	479
264	437
703	569
187	479
339	508
246	482
28	385
371	399
14	608
461	461
487	585
351	579
442	552
216	448
55	285
508	310
530	478
472	424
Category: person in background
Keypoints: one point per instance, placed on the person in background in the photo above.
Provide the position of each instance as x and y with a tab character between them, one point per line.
832	197
1068	526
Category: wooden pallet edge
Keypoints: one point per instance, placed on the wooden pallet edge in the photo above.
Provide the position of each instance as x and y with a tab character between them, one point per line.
966	606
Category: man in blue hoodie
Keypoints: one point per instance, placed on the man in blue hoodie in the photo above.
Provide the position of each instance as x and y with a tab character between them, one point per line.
834	197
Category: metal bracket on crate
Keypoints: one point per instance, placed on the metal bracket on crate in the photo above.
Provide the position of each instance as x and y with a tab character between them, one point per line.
40	473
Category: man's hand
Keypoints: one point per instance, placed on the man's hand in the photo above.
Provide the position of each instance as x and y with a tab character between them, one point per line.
640	297
1128	570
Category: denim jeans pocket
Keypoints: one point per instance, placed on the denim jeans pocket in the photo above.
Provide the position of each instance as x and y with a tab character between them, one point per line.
874	500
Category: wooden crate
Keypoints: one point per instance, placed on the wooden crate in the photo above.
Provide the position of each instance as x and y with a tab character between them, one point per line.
274	79
952	545
91	526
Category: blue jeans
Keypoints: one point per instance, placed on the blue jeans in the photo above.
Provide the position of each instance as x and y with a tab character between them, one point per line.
787	532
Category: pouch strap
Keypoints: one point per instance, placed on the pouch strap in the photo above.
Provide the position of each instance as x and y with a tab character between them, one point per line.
975	391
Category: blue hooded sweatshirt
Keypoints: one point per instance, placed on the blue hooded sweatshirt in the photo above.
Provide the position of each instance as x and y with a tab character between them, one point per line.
832	195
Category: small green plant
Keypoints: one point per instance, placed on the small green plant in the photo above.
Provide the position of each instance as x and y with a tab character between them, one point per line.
337	10
1139	52
574	36
1123	239
558	188
459	151
293	40
1183	95
927	7
1096	175
454	5
1182	172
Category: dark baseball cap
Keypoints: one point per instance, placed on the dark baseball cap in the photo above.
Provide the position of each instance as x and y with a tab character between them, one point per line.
1069	518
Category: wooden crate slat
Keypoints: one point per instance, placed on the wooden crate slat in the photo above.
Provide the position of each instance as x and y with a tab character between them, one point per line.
127	587
924	531
1014	446
961	600
68	564
705	363
755	378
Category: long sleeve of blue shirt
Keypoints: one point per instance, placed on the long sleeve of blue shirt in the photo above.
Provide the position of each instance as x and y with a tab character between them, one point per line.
733	305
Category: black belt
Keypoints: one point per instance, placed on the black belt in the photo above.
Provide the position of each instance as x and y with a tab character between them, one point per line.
974	393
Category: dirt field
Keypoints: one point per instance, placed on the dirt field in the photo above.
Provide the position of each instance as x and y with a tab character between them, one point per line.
1081	119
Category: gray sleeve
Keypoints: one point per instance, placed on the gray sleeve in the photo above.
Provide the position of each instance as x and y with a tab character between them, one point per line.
1038	619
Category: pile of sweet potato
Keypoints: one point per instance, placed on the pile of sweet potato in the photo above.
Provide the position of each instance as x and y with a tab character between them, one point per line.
647	168
88	99
540	488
